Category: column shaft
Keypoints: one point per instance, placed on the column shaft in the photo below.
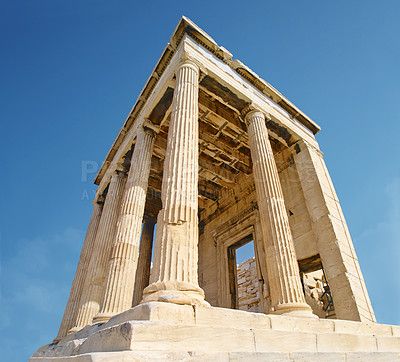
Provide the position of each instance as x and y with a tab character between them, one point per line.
77	285
283	273
174	276
118	290
144	262
94	283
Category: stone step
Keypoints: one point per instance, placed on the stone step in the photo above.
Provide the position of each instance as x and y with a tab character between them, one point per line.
195	356
170	328
145	335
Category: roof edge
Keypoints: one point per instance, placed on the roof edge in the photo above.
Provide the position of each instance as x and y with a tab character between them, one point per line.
186	26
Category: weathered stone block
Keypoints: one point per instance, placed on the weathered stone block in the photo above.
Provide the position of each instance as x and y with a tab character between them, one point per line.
259	357
283	323
362	328
316	326
154	311
317	357
388	344
140	335
372	357
281	341
396	331
335	342
231	318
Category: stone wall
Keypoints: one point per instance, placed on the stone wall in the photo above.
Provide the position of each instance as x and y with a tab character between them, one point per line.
314	287
248	291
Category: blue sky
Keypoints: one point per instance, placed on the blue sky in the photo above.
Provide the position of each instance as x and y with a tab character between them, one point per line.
71	71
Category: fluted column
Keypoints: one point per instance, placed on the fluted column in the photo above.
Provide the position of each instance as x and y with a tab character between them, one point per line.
174	275
118	290
94	282
144	263
77	285
286	292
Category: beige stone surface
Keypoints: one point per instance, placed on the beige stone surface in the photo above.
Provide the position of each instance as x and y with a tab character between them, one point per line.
94	282
248	291
224	159
172	331
282	341
302	324
334	243
142	276
71	309
283	272
157	312
373	357
343	326
232	356
174	278
122	265
388	344
333	342
231	318
396	331
168	337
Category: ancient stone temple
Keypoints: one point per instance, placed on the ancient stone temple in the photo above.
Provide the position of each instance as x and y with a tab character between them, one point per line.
212	157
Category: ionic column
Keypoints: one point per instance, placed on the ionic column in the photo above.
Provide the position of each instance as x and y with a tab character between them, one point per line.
94	283
174	275
77	285
283	273
118	290
144	263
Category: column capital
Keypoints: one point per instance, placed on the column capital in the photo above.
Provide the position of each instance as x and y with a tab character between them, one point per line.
150	128
99	200
188	60
119	169
252	111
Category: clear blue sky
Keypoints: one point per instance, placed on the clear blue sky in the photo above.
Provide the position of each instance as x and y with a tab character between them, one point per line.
71	71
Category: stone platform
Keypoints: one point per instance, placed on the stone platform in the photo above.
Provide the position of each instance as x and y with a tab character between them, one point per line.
166	331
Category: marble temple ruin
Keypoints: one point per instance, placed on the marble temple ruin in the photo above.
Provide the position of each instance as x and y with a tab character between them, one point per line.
212	157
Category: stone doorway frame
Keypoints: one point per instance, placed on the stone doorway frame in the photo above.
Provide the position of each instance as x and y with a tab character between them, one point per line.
232	268
227	241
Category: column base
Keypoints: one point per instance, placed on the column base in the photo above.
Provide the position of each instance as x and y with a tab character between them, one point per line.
73	330
293	310
103	317
174	292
